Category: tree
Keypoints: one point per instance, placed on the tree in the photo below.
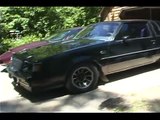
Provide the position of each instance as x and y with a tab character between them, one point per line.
42	21
78	16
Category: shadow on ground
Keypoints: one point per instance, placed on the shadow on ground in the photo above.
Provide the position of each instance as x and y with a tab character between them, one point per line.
117	103
107	101
154	105
81	102
42	96
17	106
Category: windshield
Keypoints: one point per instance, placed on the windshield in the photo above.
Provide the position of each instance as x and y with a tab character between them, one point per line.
63	35
100	31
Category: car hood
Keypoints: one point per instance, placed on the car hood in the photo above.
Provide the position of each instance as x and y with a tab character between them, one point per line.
5	57
29	46
54	49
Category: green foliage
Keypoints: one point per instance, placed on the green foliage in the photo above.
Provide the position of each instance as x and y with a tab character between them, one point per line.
24	40
42	21
3	48
30	20
78	16
11	43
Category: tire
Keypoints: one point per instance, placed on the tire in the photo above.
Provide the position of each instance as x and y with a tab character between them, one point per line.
82	78
157	62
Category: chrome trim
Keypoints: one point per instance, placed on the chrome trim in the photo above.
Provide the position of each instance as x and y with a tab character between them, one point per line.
22	82
26	86
129	53
129	64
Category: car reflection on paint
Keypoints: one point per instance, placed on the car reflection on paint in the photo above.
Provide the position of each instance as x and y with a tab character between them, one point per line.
63	35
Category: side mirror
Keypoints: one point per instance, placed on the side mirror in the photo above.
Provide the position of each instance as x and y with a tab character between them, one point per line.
124	39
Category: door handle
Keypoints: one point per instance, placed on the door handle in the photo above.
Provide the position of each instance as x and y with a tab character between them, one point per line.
102	52
153	42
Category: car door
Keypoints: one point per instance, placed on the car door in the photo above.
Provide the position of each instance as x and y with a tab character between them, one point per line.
132	42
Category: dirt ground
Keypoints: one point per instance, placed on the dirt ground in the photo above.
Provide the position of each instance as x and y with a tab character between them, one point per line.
136	90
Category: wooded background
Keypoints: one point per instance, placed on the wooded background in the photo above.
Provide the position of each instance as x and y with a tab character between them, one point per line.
34	23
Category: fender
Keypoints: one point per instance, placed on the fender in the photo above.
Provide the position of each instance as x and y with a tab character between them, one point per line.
86	59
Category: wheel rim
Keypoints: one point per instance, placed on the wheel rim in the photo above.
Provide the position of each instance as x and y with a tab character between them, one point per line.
82	77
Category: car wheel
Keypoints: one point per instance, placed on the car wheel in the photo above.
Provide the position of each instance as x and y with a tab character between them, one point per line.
158	62
82	78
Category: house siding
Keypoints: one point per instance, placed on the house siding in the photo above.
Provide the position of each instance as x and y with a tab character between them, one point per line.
115	12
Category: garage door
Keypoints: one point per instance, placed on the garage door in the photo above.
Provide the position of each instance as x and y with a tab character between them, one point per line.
141	13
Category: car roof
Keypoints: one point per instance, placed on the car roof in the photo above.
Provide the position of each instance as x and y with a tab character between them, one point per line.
128	20
75	28
134	20
69	29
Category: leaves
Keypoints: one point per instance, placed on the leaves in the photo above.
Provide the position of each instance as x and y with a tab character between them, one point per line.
42	21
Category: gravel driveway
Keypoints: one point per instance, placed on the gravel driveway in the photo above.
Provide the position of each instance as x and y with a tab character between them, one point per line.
135	90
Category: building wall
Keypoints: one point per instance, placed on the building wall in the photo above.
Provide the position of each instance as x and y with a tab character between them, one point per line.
132	12
115	12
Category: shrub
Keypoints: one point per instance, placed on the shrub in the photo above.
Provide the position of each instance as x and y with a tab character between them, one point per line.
11	43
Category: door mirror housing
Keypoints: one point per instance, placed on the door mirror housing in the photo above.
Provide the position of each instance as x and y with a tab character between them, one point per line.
125	37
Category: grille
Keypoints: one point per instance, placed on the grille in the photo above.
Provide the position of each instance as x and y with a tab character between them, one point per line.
16	63
24	82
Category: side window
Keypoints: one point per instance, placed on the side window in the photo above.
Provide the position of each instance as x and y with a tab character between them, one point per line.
158	22
134	30
156	27
123	32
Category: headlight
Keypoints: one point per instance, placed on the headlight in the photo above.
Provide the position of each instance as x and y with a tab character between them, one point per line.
27	66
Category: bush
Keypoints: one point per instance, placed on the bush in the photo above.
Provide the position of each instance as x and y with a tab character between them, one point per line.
3	48
11	43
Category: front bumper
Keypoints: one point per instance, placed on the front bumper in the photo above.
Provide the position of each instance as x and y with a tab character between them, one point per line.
21	82
35	82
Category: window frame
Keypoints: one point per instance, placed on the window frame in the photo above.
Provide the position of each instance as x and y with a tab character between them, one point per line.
145	22
153	27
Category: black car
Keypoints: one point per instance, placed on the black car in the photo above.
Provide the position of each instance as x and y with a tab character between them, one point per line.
98	50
